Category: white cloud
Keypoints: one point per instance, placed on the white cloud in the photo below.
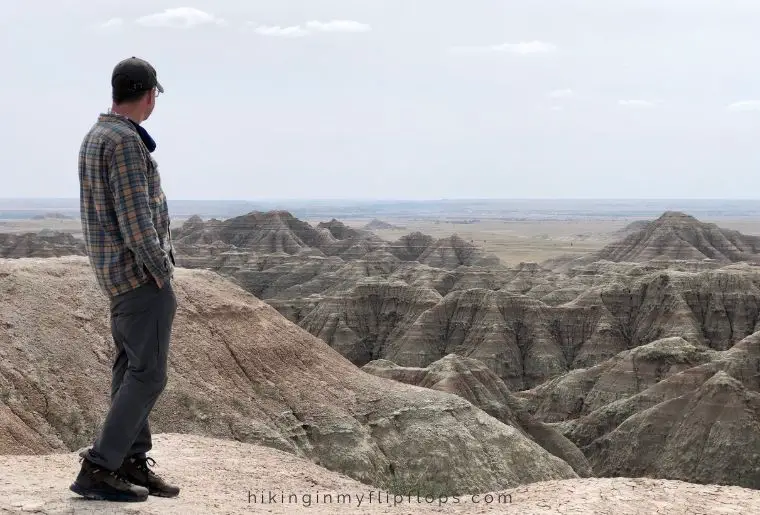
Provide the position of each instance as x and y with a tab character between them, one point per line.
531	47
561	93
636	104
522	48
110	25
338	26
282	32
180	17
310	28
745	105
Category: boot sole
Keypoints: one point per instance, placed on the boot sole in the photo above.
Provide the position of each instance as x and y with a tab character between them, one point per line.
163	494
101	496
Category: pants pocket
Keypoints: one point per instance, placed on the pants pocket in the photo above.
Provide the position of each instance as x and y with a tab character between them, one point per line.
144	324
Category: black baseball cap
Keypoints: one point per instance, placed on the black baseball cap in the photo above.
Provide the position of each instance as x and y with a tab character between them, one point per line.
135	74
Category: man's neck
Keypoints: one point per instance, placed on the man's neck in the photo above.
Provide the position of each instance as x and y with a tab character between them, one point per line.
129	113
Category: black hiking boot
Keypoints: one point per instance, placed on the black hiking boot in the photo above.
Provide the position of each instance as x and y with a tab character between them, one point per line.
95	482
136	470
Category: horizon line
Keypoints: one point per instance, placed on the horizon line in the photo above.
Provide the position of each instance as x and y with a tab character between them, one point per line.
442	199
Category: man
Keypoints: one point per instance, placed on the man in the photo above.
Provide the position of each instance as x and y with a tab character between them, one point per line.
125	221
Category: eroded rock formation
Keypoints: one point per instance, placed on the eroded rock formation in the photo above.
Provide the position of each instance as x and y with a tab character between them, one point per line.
40	245
239	370
668	409
644	356
472	380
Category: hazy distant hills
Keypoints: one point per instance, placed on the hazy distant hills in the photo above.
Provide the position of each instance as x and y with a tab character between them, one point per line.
388	210
376	224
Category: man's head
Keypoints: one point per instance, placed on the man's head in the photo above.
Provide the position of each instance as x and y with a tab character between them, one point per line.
134	88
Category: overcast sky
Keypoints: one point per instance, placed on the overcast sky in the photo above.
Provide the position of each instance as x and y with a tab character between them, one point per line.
396	98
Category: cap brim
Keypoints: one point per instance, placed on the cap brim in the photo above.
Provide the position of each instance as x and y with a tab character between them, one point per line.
159	87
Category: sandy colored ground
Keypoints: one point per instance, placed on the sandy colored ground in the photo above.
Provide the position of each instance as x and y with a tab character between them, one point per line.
217	476
515	242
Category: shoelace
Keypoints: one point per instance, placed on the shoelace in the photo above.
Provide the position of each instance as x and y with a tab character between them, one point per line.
118	476
113	473
144	464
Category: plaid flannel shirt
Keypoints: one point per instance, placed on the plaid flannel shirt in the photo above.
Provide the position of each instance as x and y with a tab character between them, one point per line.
125	218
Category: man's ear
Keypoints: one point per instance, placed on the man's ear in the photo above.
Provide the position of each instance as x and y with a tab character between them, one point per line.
148	98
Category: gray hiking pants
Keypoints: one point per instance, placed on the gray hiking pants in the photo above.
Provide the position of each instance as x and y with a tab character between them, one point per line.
141	325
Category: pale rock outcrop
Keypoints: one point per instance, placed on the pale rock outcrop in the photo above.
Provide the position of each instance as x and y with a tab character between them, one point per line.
472	380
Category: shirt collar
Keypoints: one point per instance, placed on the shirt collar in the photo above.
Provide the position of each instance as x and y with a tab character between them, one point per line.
146	138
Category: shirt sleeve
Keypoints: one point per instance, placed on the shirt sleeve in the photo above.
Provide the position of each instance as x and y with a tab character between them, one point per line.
129	185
